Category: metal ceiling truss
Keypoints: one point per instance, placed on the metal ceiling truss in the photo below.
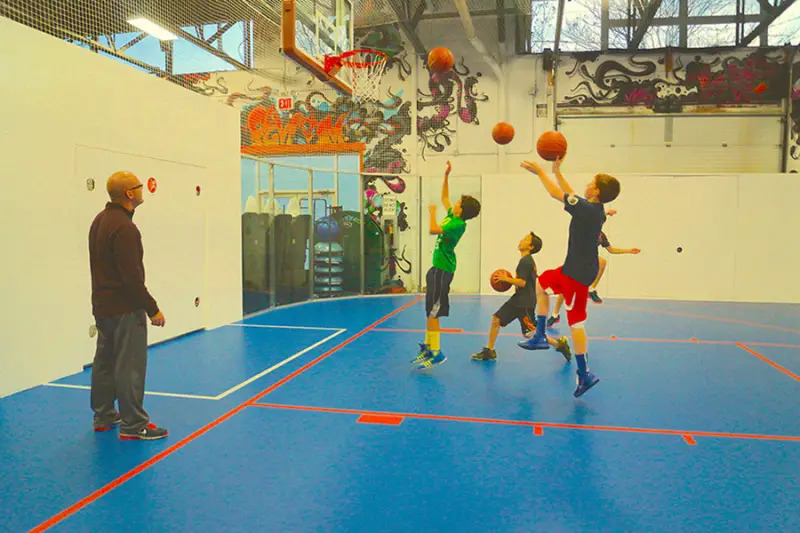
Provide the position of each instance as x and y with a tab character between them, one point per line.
408	22
769	13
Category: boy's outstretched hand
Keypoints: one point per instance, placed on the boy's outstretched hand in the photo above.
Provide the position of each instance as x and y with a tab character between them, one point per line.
531	166
448	168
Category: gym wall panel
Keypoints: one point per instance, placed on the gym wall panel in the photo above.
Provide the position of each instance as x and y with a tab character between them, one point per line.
67	112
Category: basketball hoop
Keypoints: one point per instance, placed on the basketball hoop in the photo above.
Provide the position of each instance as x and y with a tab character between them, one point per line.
363	70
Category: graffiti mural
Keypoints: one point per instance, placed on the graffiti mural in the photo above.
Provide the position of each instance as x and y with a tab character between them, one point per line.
388	40
668	83
452	95
794	133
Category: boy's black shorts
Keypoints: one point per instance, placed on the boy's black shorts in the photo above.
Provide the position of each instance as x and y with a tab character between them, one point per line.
437	293
509	312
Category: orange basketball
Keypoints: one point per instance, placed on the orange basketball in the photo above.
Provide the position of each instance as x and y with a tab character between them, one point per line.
500	286
503	133
440	59
551	145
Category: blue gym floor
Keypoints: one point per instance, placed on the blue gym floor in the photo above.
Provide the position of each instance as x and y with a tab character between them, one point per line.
321	424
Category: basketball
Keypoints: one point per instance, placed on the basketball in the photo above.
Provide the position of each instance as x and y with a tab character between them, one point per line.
551	145
440	59
503	133
500	286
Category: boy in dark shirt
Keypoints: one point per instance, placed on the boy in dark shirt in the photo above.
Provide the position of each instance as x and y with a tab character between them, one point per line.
522	303
573	278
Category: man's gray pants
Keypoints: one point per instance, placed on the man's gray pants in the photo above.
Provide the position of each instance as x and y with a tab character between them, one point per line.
119	368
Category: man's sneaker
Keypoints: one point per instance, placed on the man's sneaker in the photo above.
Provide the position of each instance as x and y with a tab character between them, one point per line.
436	359
595	298
424	353
535	343
106	426
149	432
487	354
553	320
562	347
585	382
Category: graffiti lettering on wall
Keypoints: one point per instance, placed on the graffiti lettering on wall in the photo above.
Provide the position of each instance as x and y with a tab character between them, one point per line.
794	149
756	78
451	94
319	120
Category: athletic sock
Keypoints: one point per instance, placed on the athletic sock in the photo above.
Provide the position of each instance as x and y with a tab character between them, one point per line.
540	322
434	341
427	338
581	360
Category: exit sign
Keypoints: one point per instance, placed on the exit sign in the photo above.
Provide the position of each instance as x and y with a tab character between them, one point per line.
285	103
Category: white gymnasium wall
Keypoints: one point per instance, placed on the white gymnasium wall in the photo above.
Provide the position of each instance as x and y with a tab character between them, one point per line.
66	115
735	232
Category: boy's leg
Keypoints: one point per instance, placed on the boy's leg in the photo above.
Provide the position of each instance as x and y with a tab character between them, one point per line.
549	279
507	313
576	317
593	289
437	304
554	318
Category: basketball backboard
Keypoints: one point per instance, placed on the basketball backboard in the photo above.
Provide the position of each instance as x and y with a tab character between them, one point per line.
312	29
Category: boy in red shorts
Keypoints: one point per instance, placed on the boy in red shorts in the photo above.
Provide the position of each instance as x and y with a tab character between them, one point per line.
573	278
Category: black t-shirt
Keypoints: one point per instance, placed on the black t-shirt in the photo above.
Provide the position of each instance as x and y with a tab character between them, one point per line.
587	222
603	241
526	296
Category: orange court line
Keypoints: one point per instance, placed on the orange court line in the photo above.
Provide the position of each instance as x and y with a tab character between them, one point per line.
74	508
768	361
610	338
621	429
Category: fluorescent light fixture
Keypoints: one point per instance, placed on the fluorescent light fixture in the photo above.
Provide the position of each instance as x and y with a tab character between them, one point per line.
153	29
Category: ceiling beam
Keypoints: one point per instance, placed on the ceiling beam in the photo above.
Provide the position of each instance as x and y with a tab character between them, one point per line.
647	19
417	16
408	30
559	22
207	47
692	21
772	14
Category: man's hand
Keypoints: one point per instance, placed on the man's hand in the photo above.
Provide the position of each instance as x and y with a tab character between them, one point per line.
531	166
447	169
158	320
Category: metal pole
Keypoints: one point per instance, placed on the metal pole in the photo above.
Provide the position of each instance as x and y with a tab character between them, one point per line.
361	266
311	234
273	270
787	118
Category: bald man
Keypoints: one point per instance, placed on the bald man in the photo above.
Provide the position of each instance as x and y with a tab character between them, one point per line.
121	305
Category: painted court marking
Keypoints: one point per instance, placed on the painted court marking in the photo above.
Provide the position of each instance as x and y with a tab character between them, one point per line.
235	388
768	361
74	508
609	338
540	425
272	326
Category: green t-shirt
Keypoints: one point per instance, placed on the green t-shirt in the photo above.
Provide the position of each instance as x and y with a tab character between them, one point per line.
444	254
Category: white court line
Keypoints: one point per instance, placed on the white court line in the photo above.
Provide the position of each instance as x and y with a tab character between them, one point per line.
235	387
277	366
281	327
170	394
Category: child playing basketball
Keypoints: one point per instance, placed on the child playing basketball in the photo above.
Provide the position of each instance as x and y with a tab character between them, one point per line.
573	278
438	278
522	303
604	242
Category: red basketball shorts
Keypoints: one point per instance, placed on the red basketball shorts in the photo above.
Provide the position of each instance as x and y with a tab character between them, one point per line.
575	294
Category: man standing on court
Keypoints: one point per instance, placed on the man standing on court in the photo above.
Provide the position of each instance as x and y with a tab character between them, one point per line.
121	305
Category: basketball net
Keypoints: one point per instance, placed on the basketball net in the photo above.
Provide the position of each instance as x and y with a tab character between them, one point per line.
361	69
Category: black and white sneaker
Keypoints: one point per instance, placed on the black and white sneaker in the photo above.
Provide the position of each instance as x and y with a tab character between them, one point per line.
149	432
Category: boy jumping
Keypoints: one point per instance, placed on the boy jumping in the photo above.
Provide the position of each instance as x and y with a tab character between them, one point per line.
573	278
438	278
604	242
522	303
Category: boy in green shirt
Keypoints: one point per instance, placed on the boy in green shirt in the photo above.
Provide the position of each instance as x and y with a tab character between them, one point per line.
438	278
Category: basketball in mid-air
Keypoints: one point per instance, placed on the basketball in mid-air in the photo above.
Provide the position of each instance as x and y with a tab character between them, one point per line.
503	133
551	145
440	59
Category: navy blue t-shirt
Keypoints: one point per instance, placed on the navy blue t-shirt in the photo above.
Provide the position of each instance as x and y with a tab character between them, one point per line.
587	222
